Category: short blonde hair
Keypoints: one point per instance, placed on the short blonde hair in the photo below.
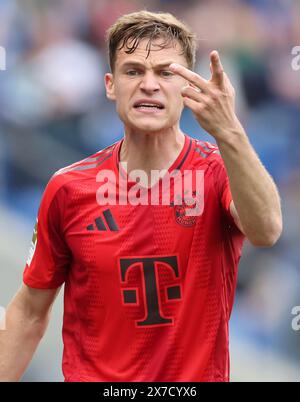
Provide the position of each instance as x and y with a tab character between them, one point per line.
130	29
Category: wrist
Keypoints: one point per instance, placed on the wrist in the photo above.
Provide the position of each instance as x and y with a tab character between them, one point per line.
232	137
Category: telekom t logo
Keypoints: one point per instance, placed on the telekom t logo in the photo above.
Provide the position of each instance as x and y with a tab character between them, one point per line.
152	302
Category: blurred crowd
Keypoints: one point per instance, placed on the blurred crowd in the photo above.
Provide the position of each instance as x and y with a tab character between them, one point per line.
54	112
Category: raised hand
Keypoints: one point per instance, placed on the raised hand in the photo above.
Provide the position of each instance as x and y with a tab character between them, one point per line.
212	101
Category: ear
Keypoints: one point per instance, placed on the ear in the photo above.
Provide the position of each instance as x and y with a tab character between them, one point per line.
109	86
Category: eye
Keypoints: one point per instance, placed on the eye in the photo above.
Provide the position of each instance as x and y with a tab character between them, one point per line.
132	73
166	73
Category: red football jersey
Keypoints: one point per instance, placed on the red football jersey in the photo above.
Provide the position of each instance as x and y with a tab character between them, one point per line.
148	288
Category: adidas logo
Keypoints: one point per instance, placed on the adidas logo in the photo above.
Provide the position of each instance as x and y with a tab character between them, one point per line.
100	225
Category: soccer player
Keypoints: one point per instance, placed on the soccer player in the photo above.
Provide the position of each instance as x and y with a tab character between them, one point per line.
149	287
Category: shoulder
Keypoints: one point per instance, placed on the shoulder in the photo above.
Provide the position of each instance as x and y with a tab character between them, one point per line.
90	162
207	153
206	149
208	157
78	171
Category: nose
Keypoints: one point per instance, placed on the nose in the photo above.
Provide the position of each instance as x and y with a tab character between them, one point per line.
149	82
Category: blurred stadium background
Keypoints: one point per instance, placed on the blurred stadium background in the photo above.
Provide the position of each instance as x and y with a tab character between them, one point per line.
53	112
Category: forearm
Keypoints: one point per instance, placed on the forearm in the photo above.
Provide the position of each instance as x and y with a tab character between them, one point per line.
253	190
18	342
254	193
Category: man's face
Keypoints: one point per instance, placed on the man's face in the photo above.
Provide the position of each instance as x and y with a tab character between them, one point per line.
147	95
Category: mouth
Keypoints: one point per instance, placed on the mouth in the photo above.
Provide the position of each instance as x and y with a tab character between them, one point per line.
148	106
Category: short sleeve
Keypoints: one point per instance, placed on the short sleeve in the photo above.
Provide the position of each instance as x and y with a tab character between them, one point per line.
49	256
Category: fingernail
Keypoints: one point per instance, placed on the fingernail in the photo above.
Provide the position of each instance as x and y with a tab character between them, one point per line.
174	66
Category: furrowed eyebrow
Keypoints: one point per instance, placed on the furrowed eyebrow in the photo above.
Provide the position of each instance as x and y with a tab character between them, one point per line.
138	64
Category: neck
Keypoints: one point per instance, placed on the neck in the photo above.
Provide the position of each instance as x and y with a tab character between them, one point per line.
155	151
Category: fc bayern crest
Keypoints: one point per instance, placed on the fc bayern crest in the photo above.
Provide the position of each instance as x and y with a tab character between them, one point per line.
184	213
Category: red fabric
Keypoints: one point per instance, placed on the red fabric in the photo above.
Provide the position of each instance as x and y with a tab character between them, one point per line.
149	295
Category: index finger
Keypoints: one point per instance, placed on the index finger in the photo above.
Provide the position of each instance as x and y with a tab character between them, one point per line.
189	75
